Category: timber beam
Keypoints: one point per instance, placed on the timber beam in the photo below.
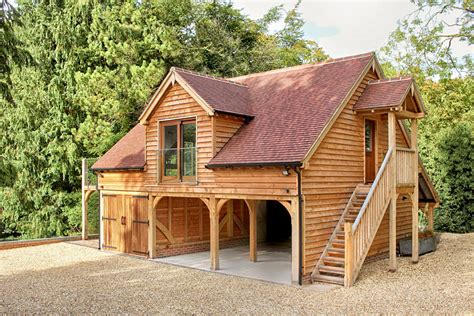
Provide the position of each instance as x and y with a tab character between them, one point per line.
414	142
392	143
253	229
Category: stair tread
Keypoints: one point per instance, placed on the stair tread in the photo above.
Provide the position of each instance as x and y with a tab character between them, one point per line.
329	279
331	268
338	250
333	259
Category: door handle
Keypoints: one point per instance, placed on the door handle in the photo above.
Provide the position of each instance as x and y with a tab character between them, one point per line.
122	220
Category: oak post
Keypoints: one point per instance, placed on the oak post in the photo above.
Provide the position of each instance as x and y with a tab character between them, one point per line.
214	218
253	230
348	255
392	144
414	239
295	242
151	227
230	222
430	219
85	220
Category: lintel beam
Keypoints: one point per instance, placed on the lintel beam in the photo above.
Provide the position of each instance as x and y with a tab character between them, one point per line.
409	115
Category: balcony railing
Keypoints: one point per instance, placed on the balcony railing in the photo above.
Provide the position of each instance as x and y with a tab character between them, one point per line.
405	166
178	163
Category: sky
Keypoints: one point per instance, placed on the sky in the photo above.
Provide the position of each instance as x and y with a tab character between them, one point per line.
343	27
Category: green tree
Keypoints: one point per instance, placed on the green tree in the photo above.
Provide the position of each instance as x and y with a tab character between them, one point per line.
453	177
421	46
446	146
423	42
95	64
12	51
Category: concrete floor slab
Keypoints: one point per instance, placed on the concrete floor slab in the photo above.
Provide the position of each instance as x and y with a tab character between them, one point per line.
273	262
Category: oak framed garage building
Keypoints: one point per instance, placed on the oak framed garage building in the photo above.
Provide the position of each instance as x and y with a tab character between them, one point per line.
324	150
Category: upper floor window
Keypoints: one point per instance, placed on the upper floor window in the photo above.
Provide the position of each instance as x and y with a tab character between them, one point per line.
178	150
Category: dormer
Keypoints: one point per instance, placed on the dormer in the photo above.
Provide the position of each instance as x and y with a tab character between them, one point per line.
187	121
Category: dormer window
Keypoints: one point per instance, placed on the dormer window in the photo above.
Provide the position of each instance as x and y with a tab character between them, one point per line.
177	152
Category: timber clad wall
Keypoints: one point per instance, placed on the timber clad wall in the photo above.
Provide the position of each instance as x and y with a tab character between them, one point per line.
380	243
187	221
334	171
328	181
177	103
212	134
225	126
122	180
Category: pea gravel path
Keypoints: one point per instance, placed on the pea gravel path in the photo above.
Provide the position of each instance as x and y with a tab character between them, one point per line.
67	278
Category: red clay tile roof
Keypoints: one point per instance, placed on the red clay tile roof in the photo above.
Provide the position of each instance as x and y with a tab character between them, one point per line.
127	153
384	94
291	106
220	94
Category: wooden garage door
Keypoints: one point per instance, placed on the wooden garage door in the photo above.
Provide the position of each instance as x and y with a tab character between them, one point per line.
125	224
111	222
139	225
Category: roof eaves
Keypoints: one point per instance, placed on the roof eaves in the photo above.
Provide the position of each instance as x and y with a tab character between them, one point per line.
138	168
253	164
248	116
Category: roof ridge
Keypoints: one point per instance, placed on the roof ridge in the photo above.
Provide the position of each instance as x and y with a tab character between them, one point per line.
320	63
195	73
394	79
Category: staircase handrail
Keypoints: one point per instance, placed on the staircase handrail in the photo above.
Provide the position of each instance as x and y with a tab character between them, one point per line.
372	189
334	233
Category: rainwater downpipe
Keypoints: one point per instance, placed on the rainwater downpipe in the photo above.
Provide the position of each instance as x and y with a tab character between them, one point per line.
300	225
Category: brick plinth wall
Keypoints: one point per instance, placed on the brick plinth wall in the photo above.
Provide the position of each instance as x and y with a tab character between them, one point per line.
198	247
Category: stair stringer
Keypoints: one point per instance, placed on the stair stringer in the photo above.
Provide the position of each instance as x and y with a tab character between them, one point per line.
338	227
366	250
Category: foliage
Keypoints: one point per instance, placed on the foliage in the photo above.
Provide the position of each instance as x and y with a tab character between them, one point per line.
11	50
422	47
454	178
446	146
423	42
95	64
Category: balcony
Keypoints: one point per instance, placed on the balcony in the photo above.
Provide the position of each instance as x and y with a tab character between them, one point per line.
177	165
406	164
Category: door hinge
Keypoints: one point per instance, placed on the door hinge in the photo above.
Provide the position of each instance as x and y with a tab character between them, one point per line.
109	247
140	196
142	222
146	253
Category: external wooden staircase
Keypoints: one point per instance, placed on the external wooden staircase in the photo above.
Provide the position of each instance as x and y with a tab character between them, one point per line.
330	268
350	241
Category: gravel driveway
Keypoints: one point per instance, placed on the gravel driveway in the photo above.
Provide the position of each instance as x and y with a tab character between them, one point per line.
67	278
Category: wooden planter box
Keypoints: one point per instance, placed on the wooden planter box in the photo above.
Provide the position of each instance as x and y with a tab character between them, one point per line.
426	244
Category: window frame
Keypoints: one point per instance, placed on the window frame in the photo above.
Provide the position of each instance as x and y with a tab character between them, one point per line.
179	178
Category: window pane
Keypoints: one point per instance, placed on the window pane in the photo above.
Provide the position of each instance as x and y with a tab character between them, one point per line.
189	149
368	136
170	150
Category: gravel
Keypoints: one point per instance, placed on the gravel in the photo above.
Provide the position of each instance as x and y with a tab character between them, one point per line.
67	278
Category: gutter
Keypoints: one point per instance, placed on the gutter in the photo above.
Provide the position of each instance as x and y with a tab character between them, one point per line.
118	169
297	169
247	117
293	164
